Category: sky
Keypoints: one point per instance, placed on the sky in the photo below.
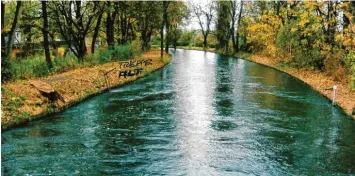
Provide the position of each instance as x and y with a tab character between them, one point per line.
192	24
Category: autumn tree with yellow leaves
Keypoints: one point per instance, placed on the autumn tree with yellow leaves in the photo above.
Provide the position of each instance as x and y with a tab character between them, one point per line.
308	34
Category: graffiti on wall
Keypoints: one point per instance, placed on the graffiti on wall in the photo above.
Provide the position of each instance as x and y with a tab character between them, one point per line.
133	68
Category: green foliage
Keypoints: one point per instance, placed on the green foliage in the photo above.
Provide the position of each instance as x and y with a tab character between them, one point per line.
223	24
64	64
105	56
155	40
6	69
302	49
123	52
30	67
198	42
36	66
350	65
174	35
185	38
119	52
137	47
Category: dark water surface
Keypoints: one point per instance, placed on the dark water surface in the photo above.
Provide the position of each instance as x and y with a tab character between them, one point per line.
204	114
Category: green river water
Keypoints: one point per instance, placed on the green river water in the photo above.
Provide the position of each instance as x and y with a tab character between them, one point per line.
203	114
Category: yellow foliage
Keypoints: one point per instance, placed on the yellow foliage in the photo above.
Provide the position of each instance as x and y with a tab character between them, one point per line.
60	51
262	33
293	29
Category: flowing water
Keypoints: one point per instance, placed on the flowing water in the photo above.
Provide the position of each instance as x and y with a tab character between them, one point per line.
203	114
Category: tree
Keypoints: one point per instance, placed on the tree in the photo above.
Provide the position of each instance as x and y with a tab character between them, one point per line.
127	19
223	25
14	26
205	17
75	28
165	5
167	29
148	20
45	35
2	26
177	12
235	18
111	14
6	73
175	34
238	27
96	31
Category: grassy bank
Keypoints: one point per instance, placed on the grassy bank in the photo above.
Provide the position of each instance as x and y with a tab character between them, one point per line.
22	102
319	81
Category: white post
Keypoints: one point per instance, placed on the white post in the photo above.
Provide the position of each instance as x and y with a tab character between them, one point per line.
334	94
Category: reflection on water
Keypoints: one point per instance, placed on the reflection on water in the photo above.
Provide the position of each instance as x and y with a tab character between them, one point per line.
204	114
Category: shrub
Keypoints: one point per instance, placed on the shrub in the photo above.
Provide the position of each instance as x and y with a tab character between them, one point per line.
350	67
185	38
91	59
333	65
155	40
6	69
304	50
30	67
123	52
104	56
64	64
36	66
137	47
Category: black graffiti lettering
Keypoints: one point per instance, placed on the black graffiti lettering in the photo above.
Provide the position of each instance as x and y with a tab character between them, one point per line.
122	73
126	73
131	73
139	63
148	62
138	71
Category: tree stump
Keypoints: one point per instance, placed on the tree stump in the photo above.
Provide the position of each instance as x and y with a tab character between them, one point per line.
47	91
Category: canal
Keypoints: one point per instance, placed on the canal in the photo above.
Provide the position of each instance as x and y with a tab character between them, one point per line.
203	114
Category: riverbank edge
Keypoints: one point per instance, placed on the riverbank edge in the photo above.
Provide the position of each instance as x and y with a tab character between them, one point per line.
50	111
249	57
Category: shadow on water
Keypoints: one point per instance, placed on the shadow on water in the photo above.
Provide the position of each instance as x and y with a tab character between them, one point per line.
203	114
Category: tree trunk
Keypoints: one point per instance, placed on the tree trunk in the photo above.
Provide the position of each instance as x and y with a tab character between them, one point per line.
45	35
233	5
237	43
167	28
13	29
205	41
6	52
167	38
83	50
5	61
146	39
165	17
2	25
96	33
234	42
235	47
238	33
162	39
110	20
109	28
